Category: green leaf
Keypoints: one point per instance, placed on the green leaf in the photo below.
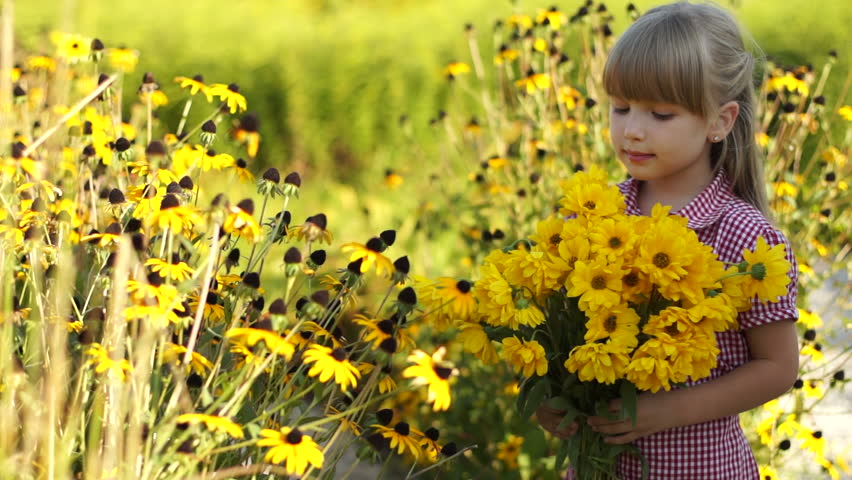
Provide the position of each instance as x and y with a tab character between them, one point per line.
627	391
564	451
534	398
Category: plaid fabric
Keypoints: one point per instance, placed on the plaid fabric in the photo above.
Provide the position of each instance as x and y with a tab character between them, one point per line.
717	449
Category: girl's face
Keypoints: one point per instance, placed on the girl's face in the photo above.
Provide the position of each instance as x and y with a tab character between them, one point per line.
660	143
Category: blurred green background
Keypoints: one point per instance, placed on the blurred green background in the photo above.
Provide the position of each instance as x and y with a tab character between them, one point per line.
330	79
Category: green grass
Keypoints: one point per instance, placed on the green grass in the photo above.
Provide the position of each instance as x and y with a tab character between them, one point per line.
330	79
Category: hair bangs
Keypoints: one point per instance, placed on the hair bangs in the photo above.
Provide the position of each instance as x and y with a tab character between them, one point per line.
653	62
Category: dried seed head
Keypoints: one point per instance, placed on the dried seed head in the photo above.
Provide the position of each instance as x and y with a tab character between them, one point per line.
388	236
278	307
155	148
318	257
252	280
272	175
121	145
293	256
186	183
97	45
293	178
209	127
246	205
402	265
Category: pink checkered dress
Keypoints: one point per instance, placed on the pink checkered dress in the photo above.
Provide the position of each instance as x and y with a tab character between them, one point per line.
715	450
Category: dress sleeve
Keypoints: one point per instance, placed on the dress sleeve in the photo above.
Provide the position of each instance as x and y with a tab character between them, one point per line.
785	307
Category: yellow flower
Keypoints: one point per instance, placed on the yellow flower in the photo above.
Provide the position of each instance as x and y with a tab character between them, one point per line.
534	81
158	98
813	388
252	336
762	139
124	59
103	358
198	362
72	48
474	340
768	271
241	222
520	22
506	54
370	254
552	17
811	320
526	357
195	85
401	438
785	189
433	372
834	157
846	112
597	283
619	324
330	364
602	362
213	423
591	200
649	368
230	94
812	441
614	238
789	82
548	234
508	451
663	254
176	270
535	270
767	472
292	446
41	62
314	229
454	69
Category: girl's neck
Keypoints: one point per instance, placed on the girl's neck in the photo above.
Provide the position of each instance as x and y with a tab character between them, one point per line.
676	193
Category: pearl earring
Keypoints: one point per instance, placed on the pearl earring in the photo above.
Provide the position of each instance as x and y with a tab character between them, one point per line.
716	138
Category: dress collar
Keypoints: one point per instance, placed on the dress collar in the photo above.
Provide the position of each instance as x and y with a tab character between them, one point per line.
702	211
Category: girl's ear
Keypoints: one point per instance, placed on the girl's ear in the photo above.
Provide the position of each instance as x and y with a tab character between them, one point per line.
724	121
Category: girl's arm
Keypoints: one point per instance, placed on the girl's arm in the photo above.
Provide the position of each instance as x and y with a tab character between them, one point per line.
772	370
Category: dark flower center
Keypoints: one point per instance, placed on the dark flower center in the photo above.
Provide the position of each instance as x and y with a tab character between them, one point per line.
615	242
555	239
661	260
294	437
672	329
463	286
589	204
402	428
599	283
610	324
339	354
631	279
442	372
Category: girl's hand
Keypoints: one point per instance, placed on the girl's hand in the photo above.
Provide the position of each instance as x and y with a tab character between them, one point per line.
652	416
550	418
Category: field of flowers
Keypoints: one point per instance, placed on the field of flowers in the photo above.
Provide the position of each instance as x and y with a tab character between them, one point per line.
177	303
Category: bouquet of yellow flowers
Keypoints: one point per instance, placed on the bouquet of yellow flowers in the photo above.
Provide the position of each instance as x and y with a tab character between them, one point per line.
598	305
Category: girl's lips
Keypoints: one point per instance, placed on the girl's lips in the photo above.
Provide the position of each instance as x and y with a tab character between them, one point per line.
638	157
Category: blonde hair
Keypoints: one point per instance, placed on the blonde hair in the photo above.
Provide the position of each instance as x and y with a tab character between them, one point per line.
693	55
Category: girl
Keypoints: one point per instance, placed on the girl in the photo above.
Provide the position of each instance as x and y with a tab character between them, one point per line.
682	123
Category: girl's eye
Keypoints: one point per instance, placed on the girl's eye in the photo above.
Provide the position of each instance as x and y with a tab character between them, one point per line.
620	110
663	116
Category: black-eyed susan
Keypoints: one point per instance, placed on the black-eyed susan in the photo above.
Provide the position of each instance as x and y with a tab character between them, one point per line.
123	59
506	54
197	362
108	237
520	22
116	368
375	332
173	216
176	269
242	171
293	447
213	423
159	317
252	336
767	267
241	222
845	112
551	17
71	47
403	438
154	288
597	282
454	69
41	63
195	84
246	132
812	440
328	364
370	254
509	449
533	82
433	372
230	94
393	179
314	229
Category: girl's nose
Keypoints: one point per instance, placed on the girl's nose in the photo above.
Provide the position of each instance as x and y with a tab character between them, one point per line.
633	129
